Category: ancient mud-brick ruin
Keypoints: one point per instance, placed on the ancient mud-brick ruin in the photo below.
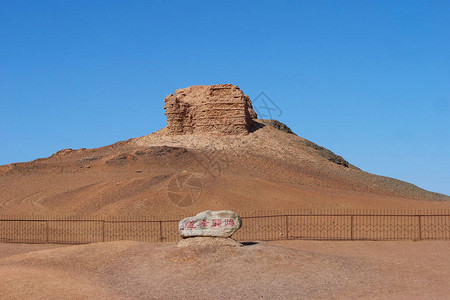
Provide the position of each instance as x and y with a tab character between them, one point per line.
220	109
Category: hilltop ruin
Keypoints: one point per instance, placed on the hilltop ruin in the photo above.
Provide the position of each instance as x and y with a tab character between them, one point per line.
221	109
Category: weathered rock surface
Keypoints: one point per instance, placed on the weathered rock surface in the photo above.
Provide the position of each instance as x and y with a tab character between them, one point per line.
208	241
223	223
218	109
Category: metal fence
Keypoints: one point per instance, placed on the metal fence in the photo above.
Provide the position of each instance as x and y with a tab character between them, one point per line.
267	225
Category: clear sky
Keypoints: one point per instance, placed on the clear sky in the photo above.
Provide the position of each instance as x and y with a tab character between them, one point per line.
369	80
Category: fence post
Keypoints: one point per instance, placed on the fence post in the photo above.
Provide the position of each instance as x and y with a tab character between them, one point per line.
287	227
420	227
103	230
351	227
46	231
160	231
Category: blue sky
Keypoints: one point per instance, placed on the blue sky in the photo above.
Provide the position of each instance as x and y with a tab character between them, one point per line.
368	80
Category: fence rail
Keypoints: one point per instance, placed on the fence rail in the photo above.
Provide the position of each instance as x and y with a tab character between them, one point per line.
273	225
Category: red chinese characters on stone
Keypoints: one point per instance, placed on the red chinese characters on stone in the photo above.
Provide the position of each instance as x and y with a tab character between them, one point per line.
189	225
223	223
229	222
210	223
217	223
203	224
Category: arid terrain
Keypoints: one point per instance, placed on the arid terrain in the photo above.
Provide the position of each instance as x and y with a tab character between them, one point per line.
237	162
273	270
214	154
161	174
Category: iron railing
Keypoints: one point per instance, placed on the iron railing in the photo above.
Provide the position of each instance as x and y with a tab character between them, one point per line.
268	225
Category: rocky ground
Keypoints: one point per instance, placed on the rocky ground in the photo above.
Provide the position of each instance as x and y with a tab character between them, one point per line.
267	169
264	167
213	154
258	270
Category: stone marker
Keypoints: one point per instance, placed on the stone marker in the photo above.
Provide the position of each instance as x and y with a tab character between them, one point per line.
210	223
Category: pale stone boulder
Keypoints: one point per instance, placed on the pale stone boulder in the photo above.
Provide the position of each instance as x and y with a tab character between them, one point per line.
223	223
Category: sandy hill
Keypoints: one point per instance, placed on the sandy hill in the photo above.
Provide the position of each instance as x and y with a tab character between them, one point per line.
214	154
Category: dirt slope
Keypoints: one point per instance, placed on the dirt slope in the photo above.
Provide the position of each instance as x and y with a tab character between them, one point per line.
267	169
281	270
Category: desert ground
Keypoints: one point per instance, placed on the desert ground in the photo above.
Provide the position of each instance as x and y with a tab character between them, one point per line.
188	167
268	169
295	269
214	154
